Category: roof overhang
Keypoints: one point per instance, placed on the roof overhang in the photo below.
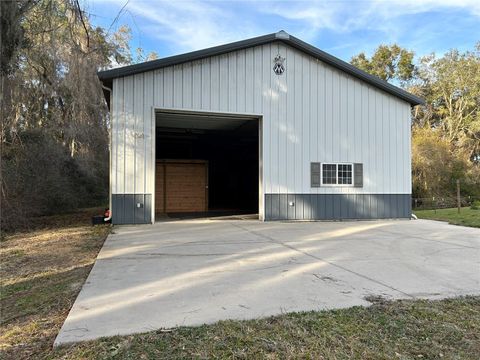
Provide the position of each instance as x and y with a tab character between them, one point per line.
107	76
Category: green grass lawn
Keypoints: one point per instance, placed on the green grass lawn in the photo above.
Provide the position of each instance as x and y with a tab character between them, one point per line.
44	268
467	216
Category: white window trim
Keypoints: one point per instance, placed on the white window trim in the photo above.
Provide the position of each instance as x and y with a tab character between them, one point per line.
336	174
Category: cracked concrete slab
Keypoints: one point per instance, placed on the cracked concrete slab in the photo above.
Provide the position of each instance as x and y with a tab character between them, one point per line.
193	272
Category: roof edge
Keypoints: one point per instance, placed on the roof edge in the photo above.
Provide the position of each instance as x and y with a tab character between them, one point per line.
182	58
107	75
354	71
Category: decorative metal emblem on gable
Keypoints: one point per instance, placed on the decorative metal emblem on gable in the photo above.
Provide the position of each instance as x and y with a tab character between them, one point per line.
279	68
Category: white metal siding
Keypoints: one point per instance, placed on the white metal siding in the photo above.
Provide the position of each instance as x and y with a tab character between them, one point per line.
311	113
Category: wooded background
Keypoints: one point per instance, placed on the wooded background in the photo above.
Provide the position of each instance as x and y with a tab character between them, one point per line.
55	123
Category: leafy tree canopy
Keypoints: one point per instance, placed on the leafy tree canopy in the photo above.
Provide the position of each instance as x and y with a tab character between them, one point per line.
388	62
446	130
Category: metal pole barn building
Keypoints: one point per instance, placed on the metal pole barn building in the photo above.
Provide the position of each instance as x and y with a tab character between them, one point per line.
269	125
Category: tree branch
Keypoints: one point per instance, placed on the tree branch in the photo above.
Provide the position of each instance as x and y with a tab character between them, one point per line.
83	23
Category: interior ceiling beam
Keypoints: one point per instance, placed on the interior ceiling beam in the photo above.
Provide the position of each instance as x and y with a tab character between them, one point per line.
172	120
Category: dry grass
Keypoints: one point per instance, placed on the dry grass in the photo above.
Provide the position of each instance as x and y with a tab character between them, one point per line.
42	270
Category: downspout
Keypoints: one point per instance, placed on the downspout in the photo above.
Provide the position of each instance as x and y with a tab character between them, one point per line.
109	157
107	88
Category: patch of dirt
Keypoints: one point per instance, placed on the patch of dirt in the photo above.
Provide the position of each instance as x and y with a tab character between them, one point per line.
376	299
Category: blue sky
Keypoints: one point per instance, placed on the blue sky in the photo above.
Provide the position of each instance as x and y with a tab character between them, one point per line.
342	28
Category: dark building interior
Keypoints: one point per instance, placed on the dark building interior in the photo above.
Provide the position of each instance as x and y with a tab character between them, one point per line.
230	145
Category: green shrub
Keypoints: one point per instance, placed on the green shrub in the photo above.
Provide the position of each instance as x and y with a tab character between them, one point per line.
475	205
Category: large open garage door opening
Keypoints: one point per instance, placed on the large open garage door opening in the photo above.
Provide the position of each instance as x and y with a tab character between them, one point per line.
206	165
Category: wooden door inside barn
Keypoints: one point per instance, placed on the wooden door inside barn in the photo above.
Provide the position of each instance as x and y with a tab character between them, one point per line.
181	186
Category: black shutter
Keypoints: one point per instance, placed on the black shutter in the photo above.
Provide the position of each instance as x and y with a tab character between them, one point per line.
315	174
358	175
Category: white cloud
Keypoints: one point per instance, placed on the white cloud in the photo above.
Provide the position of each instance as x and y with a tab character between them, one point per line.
190	25
348	16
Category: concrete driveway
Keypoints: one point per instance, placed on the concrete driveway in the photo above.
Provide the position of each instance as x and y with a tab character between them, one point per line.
192	272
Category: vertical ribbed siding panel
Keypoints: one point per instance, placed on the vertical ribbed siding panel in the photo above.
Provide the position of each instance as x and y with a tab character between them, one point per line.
283	205
118	210
314	201
265	69
282	125
328	140
314	118
206	83
305	125
113	142
258	81
397	206
351	154
402	149
337	112
120	146
329	208
322	210
379	155
139	135
396	168
274	204
274	129
223	78
291	209
290	135
299	213
342	140
372	136
129	208
386	137
168	87
149	98
397	148
269	208
355	121
115	116
187	86
178	86
297	166
139	212
148	205
196	85
159	88
322	119
249	81
364	120
341	206
215	83
257	104
129	88
408	138
121	139
232	82
241	83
